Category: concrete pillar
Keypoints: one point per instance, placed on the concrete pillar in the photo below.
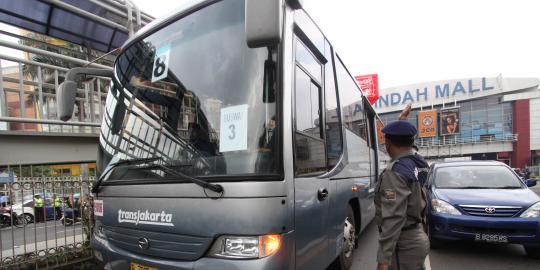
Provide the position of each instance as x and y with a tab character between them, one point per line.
521	152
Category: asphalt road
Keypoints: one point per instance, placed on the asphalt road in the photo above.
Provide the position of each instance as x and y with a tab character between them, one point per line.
453	256
41	231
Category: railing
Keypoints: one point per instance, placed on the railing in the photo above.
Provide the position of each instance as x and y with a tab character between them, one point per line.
458	140
535	171
50	236
28	94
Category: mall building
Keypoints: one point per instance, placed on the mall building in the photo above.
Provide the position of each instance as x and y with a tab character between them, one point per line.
486	118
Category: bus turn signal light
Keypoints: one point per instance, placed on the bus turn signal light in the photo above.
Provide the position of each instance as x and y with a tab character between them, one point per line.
354	188
269	245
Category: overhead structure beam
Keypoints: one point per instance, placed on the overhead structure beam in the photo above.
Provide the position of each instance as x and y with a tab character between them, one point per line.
86	14
120	4
25	48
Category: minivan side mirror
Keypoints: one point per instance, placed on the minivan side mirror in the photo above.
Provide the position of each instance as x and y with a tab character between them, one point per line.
263	22
530	182
67	91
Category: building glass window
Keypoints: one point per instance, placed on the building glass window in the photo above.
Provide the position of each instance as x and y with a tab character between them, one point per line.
482	119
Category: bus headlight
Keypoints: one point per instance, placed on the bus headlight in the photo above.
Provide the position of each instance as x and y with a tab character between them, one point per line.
442	207
532	212
246	247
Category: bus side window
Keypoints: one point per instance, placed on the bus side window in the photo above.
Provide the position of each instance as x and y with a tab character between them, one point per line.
334	140
372	144
310	152
354	120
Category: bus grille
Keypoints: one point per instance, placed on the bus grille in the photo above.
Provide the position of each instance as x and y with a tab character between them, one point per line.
163	245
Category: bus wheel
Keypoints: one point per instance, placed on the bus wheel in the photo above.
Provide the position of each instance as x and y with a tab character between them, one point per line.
345	259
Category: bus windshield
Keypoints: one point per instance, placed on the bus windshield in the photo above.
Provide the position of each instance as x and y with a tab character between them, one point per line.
195	96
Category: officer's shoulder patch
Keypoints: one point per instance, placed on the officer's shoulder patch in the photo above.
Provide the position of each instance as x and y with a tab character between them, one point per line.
389	194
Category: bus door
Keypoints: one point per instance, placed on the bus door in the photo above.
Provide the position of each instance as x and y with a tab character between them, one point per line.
374	161
311	191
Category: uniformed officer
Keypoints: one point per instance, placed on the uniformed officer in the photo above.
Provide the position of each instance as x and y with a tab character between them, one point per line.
38	208
57	203
400	202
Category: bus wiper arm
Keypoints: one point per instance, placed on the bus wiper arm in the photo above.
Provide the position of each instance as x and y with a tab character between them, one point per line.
115	164
204	184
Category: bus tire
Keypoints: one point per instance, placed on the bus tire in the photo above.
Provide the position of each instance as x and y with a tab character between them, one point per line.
346	257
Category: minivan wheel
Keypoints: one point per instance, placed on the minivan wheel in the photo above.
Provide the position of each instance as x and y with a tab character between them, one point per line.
345	259
533	252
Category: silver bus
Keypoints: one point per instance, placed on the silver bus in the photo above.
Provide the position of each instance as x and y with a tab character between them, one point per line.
233	138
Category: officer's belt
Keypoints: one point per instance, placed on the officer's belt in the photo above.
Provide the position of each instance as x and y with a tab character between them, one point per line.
406	228
410	227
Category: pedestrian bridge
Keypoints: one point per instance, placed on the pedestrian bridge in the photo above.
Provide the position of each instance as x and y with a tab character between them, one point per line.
39	42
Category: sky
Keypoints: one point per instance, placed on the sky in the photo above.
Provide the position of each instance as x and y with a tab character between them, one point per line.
416	41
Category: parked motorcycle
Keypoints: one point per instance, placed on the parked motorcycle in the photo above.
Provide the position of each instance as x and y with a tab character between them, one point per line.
70	216
9	218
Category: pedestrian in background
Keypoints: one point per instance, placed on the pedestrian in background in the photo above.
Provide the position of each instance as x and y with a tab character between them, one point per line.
57	204
38	208
401	202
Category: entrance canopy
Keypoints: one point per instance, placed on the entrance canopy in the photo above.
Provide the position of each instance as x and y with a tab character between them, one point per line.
97	24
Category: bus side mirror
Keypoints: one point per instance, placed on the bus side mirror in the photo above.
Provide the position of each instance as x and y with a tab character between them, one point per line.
263	22
66	99
67	91
269	95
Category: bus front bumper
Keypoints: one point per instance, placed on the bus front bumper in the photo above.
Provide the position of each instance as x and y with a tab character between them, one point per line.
111	257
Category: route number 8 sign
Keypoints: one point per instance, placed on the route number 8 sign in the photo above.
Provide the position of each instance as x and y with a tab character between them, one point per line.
161	63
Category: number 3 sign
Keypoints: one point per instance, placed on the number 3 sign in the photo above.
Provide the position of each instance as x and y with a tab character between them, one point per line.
233	128
161	63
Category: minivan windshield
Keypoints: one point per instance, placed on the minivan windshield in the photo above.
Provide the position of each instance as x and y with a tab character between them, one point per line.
490	177
195	96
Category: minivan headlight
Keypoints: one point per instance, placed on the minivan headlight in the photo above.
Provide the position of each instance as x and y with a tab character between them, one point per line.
246	247
442	207
532	212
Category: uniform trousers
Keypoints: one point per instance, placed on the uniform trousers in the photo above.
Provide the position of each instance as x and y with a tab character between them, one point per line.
411	250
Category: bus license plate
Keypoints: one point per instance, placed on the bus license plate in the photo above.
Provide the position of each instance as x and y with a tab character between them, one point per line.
495	238
136	266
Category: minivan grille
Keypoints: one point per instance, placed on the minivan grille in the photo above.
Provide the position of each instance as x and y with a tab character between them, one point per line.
163	245
491	211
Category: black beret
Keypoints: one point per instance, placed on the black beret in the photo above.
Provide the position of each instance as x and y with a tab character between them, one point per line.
400	128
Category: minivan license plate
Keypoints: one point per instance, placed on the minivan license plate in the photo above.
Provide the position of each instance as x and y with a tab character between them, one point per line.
136	266
496	238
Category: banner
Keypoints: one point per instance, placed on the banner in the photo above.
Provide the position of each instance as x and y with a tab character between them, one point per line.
370	85
427	123
380	135
449	121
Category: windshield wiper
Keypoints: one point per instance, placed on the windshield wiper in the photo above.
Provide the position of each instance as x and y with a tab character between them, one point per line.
115	164
477	187
204	184
508	187
214	187
473	187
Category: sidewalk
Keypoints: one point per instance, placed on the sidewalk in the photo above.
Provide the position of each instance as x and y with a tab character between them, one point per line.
43	245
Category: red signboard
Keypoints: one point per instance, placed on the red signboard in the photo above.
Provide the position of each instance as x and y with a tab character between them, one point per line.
370	85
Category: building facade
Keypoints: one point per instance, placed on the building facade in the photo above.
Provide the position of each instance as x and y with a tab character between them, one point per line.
492	118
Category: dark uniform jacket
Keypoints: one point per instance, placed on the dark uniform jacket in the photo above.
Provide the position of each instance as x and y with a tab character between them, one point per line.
399	202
